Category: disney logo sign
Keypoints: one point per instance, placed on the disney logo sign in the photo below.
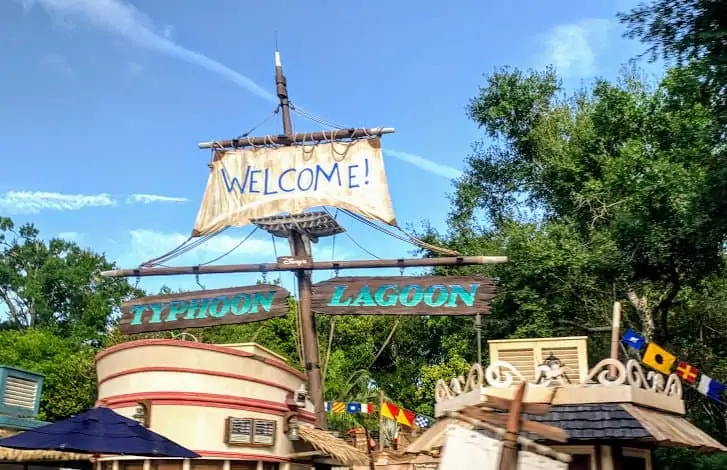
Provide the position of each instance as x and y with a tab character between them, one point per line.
294	261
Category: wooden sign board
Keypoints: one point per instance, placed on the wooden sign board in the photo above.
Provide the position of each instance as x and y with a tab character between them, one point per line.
399	295
203	308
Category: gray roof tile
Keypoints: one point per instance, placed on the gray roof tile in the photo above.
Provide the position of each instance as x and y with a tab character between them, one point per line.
592	422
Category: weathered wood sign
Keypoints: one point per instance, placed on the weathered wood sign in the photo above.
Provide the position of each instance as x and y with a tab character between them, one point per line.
203	308
398	295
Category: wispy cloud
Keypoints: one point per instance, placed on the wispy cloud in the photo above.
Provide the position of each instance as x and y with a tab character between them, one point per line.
59	63
152	198
123	19
573	48
33	202
425	164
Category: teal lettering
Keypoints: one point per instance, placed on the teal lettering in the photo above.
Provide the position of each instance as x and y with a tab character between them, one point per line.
176	308
415	298
336	298
219	307
156	315
240	304
364	299
197	309
138	312
386	300
431	291
266	302
467	297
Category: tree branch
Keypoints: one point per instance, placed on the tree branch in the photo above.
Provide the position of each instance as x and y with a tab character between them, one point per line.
12	309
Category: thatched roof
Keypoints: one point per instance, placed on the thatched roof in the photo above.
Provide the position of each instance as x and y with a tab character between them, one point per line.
671	430
15	455
333	446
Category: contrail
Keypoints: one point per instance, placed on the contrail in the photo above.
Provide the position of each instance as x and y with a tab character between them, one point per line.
123	19
425	164
119	17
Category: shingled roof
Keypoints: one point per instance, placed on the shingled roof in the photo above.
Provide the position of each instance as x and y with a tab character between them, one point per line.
606	421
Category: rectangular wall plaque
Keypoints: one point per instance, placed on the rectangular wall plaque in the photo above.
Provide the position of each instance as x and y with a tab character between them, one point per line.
399	295
203	308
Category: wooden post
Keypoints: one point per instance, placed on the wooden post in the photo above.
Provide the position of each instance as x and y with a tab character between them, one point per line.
300	247
478	334
509	456
615	335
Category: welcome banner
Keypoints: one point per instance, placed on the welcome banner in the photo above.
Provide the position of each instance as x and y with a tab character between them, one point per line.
261	182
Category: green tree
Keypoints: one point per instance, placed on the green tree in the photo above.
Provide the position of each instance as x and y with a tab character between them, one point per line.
687	31
56	285
69	386
618	175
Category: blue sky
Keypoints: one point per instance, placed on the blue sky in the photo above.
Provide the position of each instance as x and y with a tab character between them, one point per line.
102	103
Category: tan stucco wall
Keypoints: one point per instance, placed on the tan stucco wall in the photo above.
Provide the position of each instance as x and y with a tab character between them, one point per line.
193	388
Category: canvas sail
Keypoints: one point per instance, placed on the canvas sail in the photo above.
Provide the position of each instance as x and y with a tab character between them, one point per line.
260	182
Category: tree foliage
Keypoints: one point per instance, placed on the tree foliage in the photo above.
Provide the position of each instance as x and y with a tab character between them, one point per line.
55	285
689	31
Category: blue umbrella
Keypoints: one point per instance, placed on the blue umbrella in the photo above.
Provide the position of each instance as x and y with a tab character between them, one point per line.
98	431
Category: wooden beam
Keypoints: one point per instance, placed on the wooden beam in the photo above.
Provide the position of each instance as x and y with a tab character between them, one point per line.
299	138
500	403
552	433
298	265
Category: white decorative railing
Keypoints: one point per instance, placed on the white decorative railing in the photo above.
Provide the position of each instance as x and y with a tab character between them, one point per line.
608	373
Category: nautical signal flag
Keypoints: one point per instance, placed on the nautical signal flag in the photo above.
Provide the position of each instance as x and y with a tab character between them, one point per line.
633	340
686	372
711	388
355	407
389	410
658	358
351	407
405	417
421	421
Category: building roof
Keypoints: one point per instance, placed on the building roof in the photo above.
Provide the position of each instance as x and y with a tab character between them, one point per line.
615	422
593	422
333	446
16	455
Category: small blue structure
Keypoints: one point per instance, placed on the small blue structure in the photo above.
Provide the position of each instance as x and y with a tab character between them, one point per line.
19	398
